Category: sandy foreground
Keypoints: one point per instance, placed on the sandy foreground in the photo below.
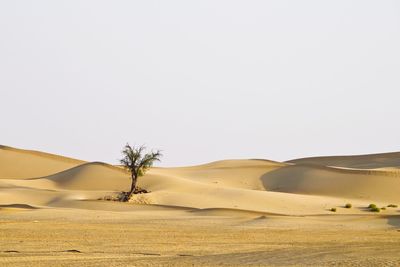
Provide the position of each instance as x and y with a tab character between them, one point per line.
229	213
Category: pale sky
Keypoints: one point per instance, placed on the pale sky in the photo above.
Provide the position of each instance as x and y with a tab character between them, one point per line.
201	80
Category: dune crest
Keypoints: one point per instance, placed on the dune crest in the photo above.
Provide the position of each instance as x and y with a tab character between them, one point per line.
371	161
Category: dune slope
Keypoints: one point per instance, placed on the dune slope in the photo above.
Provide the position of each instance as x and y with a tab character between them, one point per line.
21	164
307	179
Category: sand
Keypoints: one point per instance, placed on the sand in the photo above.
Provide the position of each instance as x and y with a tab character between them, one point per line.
231	212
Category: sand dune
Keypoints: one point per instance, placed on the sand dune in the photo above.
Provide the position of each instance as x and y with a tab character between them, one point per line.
91	176
372	161
298	187
22	164
243	174
371	185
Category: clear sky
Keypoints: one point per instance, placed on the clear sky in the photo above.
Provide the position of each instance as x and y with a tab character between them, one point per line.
201	80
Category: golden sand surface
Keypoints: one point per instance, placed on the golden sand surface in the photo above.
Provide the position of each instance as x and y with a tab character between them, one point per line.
159	236
225	213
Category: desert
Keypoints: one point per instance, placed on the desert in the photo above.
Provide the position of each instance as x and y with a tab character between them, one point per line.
199	133
59	211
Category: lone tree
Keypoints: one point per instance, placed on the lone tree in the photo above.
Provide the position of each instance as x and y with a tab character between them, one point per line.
137	163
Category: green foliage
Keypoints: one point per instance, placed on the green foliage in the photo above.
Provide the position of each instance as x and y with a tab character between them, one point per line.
137	162
383	208
375	209
333	209
392	206
348	206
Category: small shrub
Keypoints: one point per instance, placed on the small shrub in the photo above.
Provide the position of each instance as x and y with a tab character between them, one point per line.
372	206
392	206
333	209
114	197
121	196
139	190
348	206
375	209
383	208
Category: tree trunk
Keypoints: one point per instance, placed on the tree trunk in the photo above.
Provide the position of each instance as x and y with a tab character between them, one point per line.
133	186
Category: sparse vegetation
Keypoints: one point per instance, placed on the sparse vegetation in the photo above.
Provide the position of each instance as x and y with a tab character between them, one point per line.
111	198
137	163
121	196
333	209
392	206
375	209
383	208
348	206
